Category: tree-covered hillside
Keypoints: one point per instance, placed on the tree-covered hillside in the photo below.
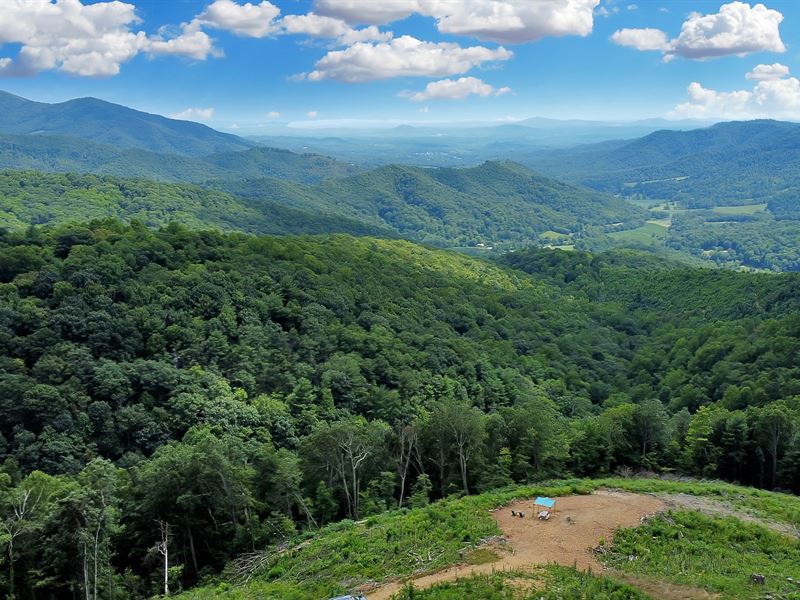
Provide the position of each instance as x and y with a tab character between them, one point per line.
231	390
65	154
731	236
29	197
728	163
496	204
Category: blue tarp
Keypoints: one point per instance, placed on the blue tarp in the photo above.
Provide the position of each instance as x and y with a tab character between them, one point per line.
546	502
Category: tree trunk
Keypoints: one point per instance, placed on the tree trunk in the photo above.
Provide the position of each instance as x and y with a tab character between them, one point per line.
11	568
163	548
346	490
462	460
166	567
402	488
774	453
191	549
96	552
356	491
86	589
441	472
304	506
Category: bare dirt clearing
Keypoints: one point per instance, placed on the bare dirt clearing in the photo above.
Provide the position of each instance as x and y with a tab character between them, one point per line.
578	525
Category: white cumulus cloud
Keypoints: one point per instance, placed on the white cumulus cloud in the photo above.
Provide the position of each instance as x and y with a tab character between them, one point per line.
247	20
312	114
264	20
504	21
737	29
772	97
642	39
273	114
513	21
191	43
402	57
372	12
91	40
456	89
320	26
767	72
315	25
194	114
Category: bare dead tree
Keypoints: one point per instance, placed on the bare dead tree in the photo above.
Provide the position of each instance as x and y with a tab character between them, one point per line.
354	451
23	508
162	548
407	450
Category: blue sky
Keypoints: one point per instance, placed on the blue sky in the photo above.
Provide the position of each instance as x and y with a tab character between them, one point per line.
231	64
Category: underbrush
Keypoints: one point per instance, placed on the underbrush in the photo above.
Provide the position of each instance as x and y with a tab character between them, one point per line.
548	583
720	554
769	506
345	555
341	557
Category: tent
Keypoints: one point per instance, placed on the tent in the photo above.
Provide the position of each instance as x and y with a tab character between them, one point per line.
544	506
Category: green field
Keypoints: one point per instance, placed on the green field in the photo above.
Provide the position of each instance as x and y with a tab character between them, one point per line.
548	583
650	234
553	236
647	203
744	209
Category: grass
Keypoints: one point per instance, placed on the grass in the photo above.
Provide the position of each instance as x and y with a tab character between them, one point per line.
553	236
646	203
548	583
769	506
648	234
481	556
719	554
745	209
344	555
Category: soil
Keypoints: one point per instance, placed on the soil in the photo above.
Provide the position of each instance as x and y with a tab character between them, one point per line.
567	538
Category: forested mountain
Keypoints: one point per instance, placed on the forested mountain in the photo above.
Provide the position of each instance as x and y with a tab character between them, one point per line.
29	197
644	283
214	383
66	154
276	163
115	125
497	203
728	163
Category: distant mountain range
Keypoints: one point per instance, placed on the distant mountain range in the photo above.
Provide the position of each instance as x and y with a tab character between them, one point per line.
463	144
64	154
106	123
499	203
729	163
